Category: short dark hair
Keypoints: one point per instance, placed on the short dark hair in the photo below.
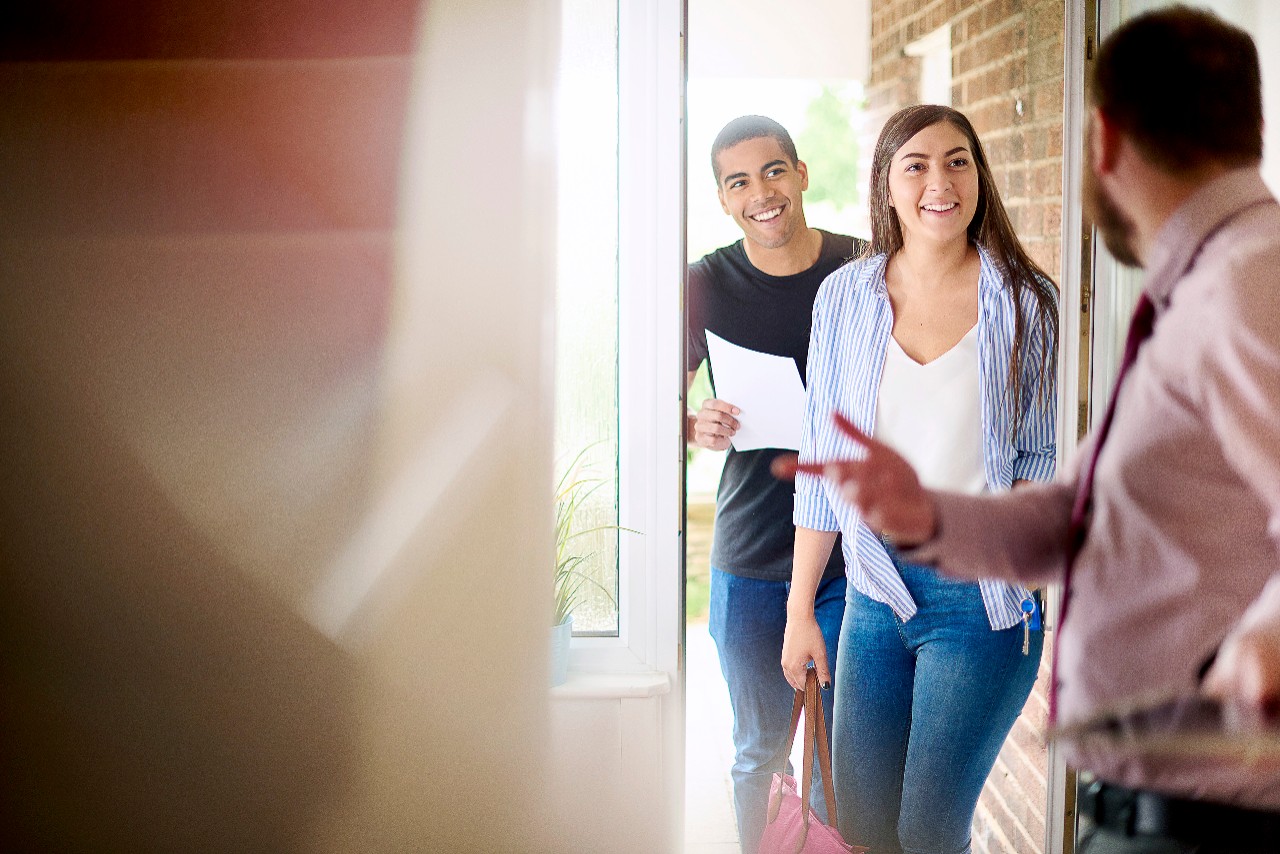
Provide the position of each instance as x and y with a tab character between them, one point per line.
744	128
1185	86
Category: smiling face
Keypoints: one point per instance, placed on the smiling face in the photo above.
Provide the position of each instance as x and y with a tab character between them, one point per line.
761	188
933	185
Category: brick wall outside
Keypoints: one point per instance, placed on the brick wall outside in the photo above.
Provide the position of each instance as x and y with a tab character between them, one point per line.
1007	77
1005	54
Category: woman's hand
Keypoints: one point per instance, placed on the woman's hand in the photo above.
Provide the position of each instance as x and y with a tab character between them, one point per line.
802	642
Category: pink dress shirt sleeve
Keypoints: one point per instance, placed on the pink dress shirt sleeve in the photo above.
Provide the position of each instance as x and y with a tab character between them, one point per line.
1016	536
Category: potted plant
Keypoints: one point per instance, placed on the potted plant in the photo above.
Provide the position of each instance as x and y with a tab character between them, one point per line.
569	581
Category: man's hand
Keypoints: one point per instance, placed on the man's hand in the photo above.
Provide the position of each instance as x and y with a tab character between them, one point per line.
714	425
882	485
1246	676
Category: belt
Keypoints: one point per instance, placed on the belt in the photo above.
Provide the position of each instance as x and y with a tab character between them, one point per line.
1137	812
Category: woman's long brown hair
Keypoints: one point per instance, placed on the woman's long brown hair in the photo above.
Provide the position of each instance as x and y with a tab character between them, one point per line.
989	229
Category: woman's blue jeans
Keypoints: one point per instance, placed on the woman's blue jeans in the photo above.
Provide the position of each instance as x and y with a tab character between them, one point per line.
921	711
747	619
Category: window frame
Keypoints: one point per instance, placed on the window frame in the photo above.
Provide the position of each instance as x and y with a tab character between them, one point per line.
651	270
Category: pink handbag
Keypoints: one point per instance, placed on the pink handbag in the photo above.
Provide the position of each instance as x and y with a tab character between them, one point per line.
792	826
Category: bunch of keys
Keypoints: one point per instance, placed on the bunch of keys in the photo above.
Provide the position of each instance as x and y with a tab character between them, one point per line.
1030	621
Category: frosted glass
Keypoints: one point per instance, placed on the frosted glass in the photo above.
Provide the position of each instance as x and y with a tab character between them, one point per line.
587	292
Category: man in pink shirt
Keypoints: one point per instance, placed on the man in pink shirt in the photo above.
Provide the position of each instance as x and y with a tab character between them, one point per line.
1166	529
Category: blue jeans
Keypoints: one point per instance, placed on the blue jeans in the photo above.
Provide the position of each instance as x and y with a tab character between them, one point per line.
921	711
747	620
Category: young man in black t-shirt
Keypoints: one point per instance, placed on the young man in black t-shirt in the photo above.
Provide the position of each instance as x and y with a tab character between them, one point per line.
758	293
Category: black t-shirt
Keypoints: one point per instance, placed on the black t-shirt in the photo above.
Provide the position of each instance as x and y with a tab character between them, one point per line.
754	535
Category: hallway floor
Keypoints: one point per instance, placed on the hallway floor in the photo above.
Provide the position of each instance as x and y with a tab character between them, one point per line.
709	823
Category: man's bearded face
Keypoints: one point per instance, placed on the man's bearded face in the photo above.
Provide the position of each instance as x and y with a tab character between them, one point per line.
1117	229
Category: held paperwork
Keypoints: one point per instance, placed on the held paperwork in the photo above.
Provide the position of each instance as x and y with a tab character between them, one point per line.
766	388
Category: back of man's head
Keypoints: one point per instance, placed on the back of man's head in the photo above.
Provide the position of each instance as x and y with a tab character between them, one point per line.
744	128
1185	86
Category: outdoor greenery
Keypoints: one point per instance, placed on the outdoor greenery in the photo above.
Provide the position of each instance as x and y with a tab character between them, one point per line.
697	588
573	489
700	513
828	143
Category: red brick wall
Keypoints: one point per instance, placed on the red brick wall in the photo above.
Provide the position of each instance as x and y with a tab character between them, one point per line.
1007	77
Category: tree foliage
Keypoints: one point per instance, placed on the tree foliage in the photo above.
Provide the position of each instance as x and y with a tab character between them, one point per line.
829	145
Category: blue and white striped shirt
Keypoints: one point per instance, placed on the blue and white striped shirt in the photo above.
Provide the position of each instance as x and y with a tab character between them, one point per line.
852	323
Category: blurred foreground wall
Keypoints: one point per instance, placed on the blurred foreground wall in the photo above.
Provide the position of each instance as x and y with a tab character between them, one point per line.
274	425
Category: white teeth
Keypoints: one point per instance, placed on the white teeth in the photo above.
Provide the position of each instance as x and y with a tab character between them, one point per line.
767	215
940	208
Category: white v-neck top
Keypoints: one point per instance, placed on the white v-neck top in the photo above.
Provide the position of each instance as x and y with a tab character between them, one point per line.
852	325
932	414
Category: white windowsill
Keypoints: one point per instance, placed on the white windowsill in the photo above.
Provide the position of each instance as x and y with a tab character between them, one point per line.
583	685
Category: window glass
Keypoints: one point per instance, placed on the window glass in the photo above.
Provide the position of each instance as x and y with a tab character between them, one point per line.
587	300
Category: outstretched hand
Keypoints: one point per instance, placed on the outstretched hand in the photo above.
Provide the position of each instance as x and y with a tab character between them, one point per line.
882	485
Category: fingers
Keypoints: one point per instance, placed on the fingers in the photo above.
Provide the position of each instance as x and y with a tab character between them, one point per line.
713	404
1246	677
785	466
795	674
847	427
820	665
795	658
715	424
718	415
882	485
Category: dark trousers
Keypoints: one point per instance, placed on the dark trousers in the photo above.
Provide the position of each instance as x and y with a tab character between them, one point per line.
1119	820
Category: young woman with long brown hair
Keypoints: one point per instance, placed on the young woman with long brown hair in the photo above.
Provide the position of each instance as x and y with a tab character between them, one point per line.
941	342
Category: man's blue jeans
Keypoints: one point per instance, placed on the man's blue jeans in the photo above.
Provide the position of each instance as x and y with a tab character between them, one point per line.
747	620
921	711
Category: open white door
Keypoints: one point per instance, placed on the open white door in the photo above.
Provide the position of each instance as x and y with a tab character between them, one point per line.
618	721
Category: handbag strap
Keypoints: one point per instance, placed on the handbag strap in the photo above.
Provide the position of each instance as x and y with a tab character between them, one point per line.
775	798
796	708
815	738
823	746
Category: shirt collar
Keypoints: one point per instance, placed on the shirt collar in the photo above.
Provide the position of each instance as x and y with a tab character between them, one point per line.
988	279
1194	222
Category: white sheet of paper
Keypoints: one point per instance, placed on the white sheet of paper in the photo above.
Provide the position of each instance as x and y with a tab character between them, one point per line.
765	387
